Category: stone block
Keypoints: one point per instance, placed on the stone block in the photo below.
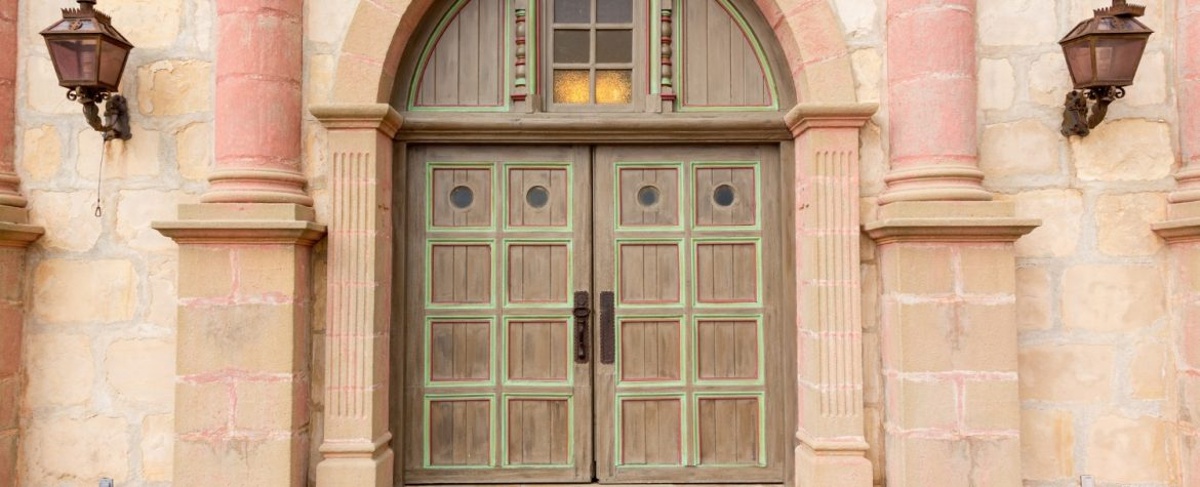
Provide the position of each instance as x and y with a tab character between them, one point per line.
1067	373
1047	444
1151	84
12	274
929	462
269	270
1048	84
1148	372
917	269
149	24
997	86
276	406
174	87
1035	297
992	406
60	370
923	404
1112	298
236	462
997	462
79	291
1061	212
326	21
248	337
157	447
142	370
919	343
194	151
41	153
1123	223
985	339
8	459
210	271
70	216
136	209
43	93
11	328
1017	23
203	408
1130	450
10	404
1124	150
868	72
69	451
1019	151
123	159
988	270
1186	264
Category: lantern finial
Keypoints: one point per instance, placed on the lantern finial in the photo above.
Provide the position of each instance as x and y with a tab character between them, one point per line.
1119	8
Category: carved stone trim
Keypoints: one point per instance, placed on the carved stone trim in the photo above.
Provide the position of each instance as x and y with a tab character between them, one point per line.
1186	230
261	232
964	230
19	235
374	116
807	116
595	128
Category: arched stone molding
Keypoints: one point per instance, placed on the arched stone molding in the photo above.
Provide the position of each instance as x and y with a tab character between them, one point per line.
808	30
358	448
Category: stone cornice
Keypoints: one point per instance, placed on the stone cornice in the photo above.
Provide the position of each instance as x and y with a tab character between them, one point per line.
965	230
19	235
807	116
595	128
263	232
1184	230
377	116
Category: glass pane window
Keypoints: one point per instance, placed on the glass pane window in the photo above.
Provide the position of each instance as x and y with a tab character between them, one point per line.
592	52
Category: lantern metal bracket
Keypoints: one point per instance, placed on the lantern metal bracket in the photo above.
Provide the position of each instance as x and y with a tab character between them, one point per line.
1076	120
115	124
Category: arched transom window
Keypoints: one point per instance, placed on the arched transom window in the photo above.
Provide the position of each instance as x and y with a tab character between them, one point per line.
590	56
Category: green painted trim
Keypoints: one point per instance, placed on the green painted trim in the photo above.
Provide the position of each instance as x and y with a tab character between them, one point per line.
426	424
504	185
695	288
679	243
429	244
758	196
427	347
569	301
429	195
570	362
571	426
684	420
762	426
431	44
680	170
755	43
694	345
684	338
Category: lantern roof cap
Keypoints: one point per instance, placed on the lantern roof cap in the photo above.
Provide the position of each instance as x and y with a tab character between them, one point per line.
86	20
1120	20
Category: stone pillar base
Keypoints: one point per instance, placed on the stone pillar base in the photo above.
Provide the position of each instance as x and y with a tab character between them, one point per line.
15	235
357	471
242	391
832	468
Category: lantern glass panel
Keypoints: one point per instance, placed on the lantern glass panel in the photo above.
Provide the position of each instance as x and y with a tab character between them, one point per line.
1117	59
75	59
1079	59
112	62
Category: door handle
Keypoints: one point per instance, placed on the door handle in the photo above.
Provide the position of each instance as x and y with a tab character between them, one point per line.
608	330
582	338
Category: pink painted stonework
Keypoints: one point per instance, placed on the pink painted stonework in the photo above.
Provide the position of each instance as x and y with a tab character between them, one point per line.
258	113
9	184
1188	56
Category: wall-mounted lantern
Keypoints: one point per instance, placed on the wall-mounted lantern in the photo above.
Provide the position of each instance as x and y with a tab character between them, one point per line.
89	57
1103	54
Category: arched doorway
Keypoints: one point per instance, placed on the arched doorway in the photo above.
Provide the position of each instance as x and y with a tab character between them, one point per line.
495	378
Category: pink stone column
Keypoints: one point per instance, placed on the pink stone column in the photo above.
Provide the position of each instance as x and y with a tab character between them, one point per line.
1187	50
9	183
258	114
932	92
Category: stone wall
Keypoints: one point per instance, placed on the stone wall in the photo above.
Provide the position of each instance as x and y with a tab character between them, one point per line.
1096	366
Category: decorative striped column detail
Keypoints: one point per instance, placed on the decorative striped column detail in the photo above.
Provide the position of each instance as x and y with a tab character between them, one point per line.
357	446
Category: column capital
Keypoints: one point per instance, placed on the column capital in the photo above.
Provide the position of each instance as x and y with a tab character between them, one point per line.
373	116
807	116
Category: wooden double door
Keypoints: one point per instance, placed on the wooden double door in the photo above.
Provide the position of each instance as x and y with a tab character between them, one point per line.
594	313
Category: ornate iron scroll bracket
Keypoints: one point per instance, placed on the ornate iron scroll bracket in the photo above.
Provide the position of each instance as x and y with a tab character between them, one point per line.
115	124
1076	120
